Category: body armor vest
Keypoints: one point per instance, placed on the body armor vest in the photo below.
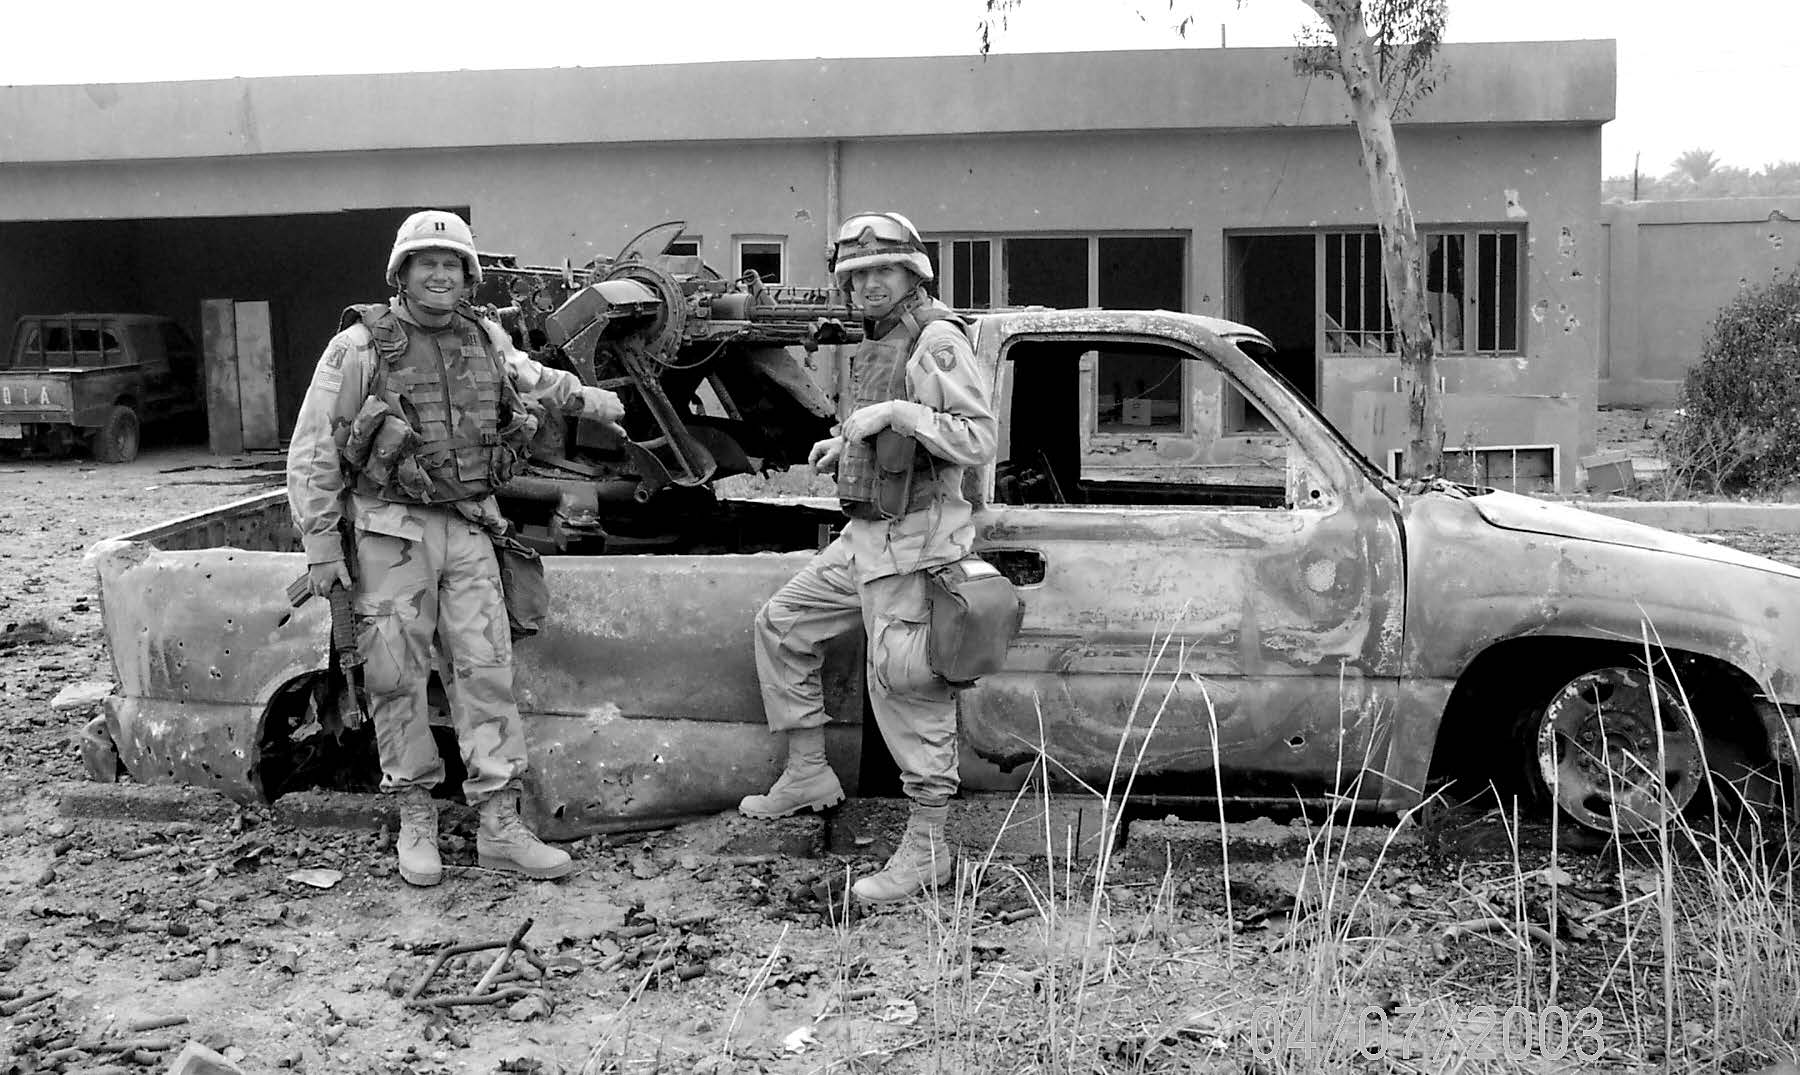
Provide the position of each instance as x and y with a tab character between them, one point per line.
890	474
470	429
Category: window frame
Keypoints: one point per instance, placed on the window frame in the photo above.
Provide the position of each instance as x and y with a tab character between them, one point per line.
1471	235
780	242
999	286
1193	360
1396	456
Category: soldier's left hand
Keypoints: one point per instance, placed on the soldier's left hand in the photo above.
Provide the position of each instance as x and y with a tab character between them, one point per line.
604	407
865	422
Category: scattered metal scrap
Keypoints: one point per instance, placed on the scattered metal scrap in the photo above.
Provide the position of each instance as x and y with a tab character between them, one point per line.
485	991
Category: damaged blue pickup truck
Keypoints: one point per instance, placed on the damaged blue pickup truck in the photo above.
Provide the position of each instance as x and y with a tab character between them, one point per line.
1310	628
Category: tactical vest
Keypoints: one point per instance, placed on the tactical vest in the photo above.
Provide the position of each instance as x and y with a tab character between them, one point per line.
472	429
888	475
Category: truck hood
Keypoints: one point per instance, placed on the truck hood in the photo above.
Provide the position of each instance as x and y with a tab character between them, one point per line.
1510	511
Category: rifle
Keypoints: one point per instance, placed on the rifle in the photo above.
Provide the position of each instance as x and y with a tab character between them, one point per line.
345	668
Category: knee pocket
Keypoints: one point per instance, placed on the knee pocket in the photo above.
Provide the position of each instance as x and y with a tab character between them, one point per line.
383	650
899	658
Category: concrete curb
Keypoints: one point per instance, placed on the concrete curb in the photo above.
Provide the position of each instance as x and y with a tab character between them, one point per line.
1700	516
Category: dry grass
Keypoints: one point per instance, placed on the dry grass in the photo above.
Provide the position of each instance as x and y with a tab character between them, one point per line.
1675	951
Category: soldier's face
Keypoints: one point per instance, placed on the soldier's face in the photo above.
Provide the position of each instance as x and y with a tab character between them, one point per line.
878	289
434	279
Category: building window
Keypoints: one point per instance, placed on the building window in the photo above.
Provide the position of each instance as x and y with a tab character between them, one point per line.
1471	293
1355	299
972	273
764	255
1523	468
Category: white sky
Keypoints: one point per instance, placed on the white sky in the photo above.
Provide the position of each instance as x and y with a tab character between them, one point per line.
1720	75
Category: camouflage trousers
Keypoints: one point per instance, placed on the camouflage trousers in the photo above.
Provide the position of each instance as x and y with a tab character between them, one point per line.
915	710
439	584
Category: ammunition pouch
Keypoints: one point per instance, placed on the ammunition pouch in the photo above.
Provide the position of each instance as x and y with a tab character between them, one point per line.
975	615
381	448
903	469
522	585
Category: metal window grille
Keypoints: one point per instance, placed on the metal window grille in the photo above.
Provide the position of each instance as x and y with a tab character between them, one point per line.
1356	311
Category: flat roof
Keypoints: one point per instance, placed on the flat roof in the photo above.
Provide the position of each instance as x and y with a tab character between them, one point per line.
1560	82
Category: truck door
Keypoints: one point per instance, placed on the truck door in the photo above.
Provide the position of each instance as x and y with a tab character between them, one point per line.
1249	590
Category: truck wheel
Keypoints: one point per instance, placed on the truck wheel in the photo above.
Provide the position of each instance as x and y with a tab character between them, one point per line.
116	441
1619	750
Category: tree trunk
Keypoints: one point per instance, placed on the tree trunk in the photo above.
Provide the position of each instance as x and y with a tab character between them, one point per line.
1401	266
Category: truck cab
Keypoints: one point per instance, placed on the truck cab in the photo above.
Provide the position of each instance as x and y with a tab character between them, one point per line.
95	380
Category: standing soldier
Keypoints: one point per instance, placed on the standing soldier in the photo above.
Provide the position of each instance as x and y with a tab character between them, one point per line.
921	418
417	411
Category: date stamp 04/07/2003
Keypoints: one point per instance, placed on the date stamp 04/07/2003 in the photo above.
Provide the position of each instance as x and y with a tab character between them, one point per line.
1429	1032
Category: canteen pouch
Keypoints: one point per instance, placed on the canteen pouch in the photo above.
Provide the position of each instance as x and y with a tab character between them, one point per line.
522	586
975	615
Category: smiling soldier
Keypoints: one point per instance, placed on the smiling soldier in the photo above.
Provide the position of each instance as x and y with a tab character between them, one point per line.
921	418
417	412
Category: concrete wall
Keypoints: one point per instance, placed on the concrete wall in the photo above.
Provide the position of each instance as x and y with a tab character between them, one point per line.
1202	144
1172	89
1670	266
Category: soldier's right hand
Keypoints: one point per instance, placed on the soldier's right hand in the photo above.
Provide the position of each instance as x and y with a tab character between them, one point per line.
824	454
328	576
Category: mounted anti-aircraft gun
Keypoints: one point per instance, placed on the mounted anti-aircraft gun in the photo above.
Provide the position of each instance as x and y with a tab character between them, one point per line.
704	366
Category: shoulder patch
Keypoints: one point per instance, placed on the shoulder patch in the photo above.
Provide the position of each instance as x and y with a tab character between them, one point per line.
944	354
334	358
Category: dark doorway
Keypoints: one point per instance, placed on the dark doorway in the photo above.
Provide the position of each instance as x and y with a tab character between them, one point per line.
1273	291
307	266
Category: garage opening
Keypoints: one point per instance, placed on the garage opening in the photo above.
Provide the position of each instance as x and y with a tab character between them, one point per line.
307	266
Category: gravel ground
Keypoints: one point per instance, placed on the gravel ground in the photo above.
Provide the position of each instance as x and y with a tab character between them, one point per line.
202	919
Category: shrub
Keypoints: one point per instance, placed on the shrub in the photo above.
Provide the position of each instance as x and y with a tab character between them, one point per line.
1740	423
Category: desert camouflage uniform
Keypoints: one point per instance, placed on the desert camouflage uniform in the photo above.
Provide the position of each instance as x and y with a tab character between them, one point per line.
874	574
424	573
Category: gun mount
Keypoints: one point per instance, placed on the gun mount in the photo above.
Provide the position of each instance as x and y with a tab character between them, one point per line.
707	370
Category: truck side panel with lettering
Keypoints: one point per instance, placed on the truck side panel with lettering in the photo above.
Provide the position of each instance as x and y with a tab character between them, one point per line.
95	380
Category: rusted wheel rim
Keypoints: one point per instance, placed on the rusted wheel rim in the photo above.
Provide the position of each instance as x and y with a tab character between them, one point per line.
1598	750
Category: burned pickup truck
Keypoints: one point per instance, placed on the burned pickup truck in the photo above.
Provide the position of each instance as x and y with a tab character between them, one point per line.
1261	615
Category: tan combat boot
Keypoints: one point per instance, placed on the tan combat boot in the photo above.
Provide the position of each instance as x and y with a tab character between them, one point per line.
807	782
416	846
923	858
502	842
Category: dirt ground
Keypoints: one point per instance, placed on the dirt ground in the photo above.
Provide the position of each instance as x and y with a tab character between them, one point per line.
1121	969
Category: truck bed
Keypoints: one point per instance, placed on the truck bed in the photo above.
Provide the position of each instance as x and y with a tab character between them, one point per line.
222	684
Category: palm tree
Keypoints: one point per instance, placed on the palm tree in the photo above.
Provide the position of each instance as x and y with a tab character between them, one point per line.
1694	166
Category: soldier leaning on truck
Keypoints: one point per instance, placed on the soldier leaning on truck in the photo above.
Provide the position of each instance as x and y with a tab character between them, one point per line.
417	411
921	418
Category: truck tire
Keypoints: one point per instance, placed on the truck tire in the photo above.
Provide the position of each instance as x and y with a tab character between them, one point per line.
116	441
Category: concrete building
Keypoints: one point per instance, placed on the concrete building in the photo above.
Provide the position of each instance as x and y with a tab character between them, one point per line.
1214	181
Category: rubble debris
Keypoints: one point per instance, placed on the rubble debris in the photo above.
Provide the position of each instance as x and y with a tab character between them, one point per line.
83	695
197	1059
497	974
14	1007
316	877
